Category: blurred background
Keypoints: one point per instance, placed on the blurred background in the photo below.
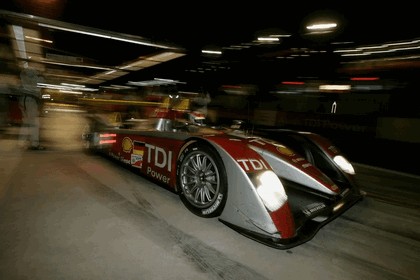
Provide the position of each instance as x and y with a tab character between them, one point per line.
342	69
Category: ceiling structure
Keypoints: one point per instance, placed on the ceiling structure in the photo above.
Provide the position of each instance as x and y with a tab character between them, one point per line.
105	43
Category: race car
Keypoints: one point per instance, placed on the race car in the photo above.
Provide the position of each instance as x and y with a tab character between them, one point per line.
277	192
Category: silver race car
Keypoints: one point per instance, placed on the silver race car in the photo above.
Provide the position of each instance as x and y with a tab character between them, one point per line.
279	192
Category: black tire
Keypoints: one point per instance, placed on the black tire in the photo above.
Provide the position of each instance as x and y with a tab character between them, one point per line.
85	135
202	180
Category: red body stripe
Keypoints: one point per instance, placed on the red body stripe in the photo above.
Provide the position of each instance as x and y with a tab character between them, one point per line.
283	220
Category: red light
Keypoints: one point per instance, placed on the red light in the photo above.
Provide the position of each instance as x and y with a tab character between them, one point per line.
107	141
108	135
364	78
292	83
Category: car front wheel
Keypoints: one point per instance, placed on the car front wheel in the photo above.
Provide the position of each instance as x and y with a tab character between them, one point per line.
202	180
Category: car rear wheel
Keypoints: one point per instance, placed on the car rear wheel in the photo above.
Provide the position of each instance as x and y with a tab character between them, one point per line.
202	180
87	138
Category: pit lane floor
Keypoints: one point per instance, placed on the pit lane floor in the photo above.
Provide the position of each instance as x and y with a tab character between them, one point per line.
68	215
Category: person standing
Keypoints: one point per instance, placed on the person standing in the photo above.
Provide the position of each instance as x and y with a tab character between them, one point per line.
30	105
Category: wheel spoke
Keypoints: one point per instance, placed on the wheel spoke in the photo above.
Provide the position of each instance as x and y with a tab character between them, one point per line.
194	188
198	197
191	169
196	163
207	194
203	165
208	168
210	188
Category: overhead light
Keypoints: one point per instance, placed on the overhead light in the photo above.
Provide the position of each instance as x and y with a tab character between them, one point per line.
39	39
18	32
77	65
71	92
66	87
74	30
268	39
73	85
155	82
144	62
117	87
335	87
381	48
321	26
211	52
79	30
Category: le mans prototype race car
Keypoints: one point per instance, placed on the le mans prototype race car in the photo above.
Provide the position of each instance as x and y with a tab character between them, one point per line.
279	193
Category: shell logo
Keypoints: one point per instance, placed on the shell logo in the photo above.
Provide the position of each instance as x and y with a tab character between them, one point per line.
127	145
285	151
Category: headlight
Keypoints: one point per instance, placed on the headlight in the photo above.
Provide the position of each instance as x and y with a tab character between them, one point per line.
344	164
271	190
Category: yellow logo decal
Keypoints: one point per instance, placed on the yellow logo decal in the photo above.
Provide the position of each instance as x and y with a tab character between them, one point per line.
127	144
284	150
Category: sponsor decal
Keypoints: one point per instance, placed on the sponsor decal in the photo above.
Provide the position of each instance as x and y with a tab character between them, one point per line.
313	208
298	159
257	140
138	147
160	157
127	145
306	165
136	160
157	175
284	150
333	149
212	208
252	164
113	155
